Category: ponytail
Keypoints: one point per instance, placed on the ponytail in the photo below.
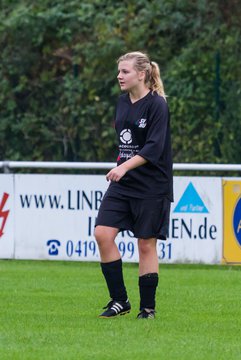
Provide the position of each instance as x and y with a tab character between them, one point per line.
155	80
142	63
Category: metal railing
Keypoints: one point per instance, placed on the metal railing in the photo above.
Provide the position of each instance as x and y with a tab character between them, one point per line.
8	165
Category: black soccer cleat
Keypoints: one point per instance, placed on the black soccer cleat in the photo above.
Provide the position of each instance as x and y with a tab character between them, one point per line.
115	308
146	314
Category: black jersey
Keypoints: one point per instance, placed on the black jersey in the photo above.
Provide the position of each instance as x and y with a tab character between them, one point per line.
143	128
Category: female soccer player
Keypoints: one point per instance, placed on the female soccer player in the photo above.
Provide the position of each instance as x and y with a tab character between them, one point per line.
141	185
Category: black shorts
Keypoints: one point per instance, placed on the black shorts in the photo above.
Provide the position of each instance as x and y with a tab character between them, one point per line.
146	218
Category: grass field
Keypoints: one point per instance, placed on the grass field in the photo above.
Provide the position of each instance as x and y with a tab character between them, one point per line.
49	311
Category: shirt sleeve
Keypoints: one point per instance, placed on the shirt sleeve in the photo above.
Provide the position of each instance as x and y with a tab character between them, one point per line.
156	132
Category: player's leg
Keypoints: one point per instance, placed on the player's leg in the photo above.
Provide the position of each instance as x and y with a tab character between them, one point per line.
111	265
105	237
148	256
148	277
151	223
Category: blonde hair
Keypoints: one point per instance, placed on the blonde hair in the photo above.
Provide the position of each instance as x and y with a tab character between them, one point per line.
142	63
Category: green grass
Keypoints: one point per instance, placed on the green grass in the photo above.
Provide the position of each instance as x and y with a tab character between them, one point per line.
48	310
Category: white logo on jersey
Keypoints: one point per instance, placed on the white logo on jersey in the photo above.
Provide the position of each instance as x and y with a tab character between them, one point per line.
142	123
126	136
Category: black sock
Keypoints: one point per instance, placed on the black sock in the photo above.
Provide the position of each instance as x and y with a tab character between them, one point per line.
112	272
147	287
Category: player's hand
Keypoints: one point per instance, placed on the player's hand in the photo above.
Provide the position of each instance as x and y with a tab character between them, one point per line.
116	174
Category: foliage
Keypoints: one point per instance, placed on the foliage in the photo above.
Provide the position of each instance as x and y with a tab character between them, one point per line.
58	75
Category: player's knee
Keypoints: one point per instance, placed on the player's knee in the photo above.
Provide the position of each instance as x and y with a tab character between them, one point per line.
146	247
99	235
103	236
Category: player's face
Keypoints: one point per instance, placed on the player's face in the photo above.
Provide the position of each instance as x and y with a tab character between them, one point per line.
129	78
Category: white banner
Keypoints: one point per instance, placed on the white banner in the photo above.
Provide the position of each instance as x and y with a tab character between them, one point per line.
6	217
55	217
196	232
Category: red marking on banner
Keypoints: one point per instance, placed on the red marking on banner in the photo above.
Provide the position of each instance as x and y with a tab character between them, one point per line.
3	214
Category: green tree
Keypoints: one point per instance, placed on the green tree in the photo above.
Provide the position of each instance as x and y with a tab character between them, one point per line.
58	83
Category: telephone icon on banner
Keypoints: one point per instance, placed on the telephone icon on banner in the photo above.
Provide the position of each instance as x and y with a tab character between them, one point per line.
53	247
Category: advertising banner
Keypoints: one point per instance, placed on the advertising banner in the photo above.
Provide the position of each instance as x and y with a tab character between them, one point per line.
6	217
55	217
195	233
232	221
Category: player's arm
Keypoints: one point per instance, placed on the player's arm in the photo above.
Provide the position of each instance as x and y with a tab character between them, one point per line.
156	132
118	172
